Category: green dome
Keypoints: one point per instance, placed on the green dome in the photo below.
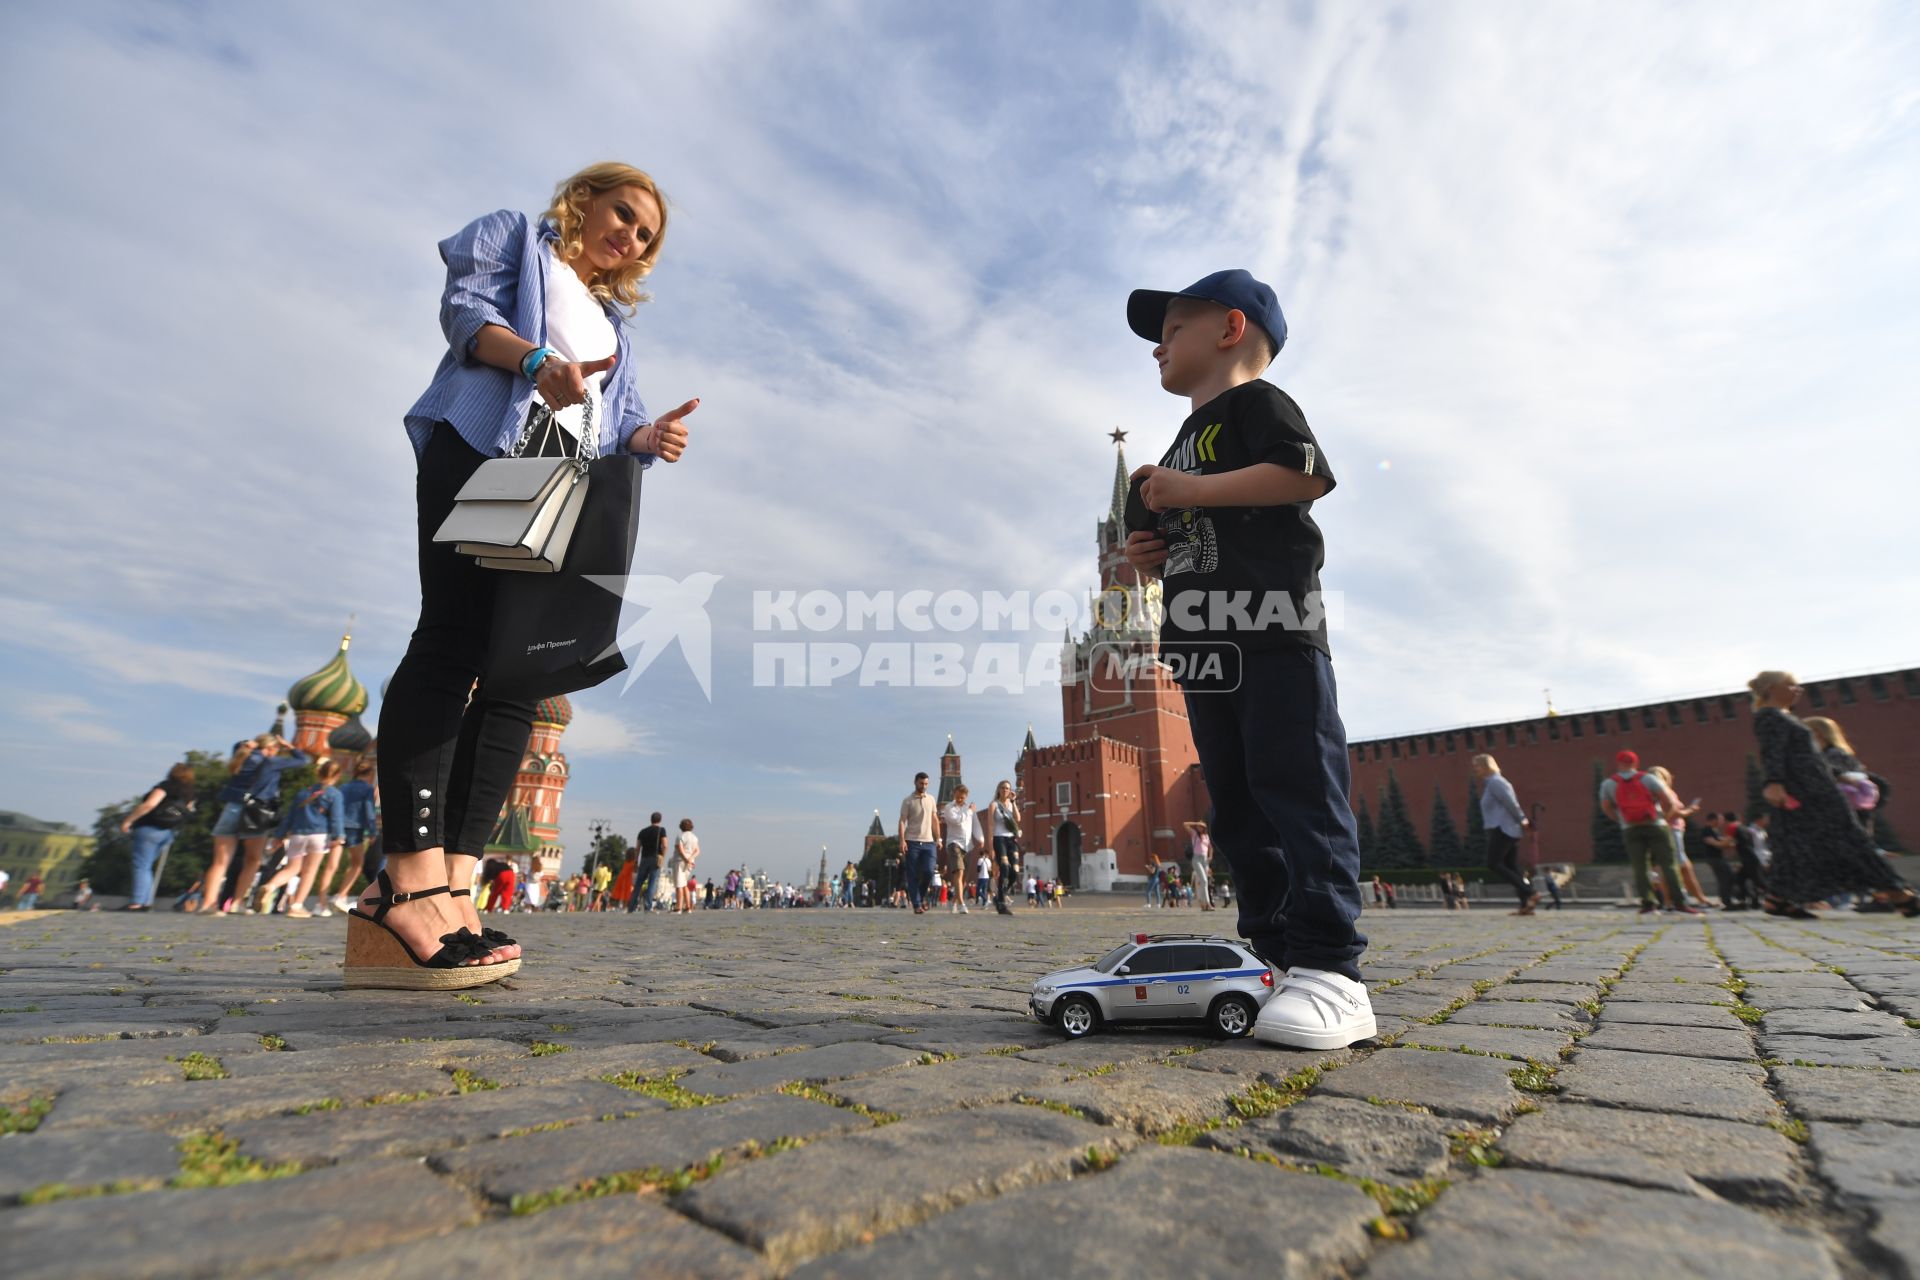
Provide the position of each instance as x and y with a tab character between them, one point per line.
331	688
554	710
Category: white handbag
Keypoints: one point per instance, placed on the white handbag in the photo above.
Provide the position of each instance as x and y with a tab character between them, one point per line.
518	513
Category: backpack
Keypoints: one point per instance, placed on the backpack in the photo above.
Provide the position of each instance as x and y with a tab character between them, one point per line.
1632	799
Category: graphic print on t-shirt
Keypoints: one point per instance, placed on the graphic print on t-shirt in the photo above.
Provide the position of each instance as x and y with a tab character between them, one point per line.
1192	546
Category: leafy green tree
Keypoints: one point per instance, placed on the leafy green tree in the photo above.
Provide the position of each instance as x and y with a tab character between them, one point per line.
877	863
1608	844
1475	848
1443	839
109	867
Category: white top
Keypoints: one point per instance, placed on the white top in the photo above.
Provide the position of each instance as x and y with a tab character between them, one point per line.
984	868
1000	811
687	847
962	822
577	328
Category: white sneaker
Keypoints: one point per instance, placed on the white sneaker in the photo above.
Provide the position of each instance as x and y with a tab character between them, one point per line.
1315	1009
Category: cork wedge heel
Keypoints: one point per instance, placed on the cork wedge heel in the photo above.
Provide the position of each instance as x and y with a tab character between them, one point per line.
377	957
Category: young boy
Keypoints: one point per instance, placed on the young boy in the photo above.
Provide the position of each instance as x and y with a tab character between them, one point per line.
1224	520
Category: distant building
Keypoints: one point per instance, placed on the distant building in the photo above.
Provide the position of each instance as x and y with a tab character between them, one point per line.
528	831
53	850
324	704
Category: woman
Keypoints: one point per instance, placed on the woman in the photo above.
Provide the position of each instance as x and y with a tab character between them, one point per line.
314	830
1200	852
1678	822
253	776
1818	849
152	824
686	852
1004	828
531	308
1856	784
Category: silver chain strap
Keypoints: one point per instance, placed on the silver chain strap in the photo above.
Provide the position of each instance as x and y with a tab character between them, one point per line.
587	448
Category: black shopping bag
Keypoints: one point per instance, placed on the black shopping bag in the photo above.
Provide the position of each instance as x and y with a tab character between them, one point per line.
556	633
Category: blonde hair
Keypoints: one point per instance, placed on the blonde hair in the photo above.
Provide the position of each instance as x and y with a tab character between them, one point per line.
1660	771
1827	729
1766	680
1491	765
568	214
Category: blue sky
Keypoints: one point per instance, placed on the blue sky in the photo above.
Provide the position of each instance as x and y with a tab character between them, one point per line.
1603	316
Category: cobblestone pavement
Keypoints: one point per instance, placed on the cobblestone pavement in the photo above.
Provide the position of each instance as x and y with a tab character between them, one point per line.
860	1093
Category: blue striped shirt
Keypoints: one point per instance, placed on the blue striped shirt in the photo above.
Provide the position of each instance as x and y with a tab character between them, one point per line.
495	276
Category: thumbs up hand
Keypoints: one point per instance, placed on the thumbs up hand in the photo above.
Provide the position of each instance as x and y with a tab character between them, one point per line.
666	436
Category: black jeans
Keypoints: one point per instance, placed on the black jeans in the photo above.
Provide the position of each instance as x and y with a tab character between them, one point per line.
1274	754
448	751
1503	860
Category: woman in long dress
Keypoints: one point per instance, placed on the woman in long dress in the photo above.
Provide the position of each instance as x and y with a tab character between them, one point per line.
1818	848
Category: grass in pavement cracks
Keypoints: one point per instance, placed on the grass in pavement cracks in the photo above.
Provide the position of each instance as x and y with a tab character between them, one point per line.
214	1160
814	1093
26	1116
613	1184
201	1066
664	1087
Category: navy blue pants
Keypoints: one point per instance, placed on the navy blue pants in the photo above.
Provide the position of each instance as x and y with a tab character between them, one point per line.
1275	758
920	868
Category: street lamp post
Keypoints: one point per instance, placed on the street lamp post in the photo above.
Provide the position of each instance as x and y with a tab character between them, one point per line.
598	830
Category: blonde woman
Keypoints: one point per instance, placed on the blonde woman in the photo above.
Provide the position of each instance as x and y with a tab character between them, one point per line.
1818	848
1856	784
1678	821
532	308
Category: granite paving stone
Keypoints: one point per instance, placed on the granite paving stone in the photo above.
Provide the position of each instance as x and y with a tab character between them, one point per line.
232	1230
1545	1226
1829	1093
1519	1013
815	1065
1686	1042
948	1086
1179	1206
206	1103
1823	1051
425	1128
29	1161
617	1236
1529	1043
1749	1163
1449	1084
1665	1083
1387	1144
1647	1013
803	1203
1148	1097
664	1138
1835	1024
1871	1162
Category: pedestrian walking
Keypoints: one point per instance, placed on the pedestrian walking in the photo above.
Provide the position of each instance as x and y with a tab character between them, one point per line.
651	843
1506	822
919	815
1004	820
960	836
313	829
152	824
1819	849
1641	804
1861	788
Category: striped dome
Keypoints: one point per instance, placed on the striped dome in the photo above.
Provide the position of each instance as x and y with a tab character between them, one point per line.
554	710
331	688
351	736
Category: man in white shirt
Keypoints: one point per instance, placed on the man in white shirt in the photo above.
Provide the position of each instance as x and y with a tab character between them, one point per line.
959	835
982	878
919	827
1504	819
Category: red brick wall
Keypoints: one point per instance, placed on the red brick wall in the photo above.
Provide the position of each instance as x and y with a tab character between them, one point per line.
1548	762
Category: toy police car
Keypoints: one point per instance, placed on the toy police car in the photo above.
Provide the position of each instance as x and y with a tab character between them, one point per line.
1159	978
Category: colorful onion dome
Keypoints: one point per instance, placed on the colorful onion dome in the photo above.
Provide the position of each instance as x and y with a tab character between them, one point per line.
331	688
554	710
351	736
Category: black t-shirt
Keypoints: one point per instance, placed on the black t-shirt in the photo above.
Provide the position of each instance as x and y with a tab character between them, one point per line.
1245	575
651	840
173	807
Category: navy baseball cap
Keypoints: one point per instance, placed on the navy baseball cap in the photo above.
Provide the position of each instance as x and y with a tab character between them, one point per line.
1235	289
